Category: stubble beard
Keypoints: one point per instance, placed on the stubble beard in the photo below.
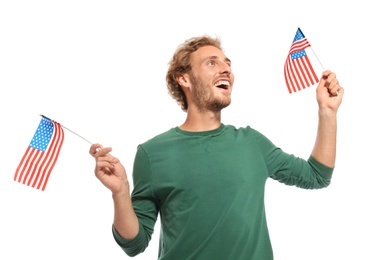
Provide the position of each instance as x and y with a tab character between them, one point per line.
203	97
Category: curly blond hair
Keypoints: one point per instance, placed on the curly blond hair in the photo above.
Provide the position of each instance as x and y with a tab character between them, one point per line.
180	64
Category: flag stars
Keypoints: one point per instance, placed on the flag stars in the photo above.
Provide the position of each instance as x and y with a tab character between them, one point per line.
43	135
298	54
298	36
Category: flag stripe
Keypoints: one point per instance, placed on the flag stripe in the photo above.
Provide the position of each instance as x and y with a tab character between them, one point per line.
287	74
36	158
41	155
56	145
298	63
34	154
299	46
314	79
21	169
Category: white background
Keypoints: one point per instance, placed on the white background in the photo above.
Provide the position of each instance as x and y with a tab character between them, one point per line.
98	68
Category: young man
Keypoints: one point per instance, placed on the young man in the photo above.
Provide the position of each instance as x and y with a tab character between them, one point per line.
207	179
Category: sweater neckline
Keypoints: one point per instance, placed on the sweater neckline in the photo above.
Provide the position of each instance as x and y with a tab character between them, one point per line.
201	133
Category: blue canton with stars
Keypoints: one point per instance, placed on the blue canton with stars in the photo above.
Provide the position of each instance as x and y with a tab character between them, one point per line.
42	137
298	36
298	54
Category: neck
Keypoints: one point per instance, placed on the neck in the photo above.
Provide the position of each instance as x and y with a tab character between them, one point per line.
199	122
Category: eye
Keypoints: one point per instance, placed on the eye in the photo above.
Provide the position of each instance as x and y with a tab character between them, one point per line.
211	63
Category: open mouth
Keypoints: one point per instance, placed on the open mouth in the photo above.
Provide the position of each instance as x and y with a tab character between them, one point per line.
224	84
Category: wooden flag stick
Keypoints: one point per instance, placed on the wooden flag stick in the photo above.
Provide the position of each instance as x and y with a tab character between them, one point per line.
69	130
317	58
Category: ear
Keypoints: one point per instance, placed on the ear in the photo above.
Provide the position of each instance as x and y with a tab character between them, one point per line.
183	80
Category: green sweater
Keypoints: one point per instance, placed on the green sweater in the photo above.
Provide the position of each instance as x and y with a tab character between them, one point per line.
208	188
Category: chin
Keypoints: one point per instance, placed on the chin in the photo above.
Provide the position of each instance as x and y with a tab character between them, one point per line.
218	106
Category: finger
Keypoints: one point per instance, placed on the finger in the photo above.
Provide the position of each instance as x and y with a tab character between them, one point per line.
103	167
326	74
336	90
102	172
102	151
330	82
106	160
94	149
333	85
332	78
323	79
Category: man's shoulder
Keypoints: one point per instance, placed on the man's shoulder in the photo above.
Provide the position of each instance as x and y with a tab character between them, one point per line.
239	128
161	137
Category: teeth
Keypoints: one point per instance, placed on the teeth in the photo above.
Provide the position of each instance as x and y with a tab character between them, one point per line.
222	82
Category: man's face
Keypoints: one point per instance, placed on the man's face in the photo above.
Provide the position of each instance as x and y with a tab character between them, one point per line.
211	79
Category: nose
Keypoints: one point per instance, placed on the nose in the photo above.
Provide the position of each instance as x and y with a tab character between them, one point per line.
225	68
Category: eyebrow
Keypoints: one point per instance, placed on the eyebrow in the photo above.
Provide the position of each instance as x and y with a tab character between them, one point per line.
216	57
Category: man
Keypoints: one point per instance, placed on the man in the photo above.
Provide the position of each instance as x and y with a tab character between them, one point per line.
207	179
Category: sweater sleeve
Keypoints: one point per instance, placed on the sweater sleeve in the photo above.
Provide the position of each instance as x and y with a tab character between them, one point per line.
291	170
144	204
309	174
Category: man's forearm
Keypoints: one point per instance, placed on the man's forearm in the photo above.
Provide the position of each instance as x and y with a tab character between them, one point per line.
325	146
125	219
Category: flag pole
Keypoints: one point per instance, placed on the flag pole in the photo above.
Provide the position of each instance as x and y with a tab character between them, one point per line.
69	130
317	58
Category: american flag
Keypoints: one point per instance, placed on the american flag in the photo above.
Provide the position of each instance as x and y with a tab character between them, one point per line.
298	69
40	157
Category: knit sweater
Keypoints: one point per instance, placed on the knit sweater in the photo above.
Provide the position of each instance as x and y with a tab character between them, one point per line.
208	188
